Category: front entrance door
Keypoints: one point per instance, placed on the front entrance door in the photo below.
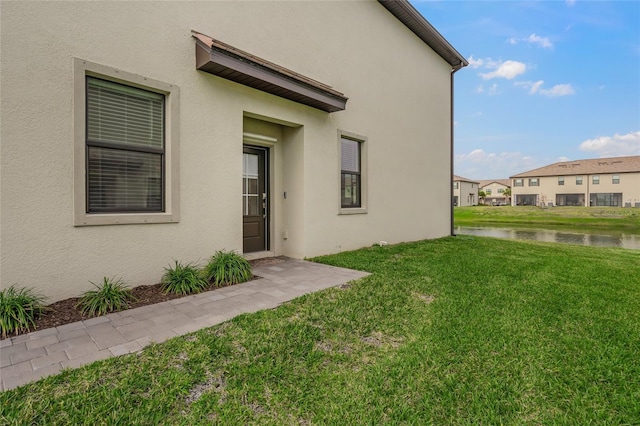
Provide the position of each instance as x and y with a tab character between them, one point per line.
255	199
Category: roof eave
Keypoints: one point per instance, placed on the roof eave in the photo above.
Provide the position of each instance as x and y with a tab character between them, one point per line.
223	60
413	20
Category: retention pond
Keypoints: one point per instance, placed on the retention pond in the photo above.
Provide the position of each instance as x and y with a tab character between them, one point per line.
590	238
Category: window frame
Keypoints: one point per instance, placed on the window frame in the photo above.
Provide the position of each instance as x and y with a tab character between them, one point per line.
615	179
171	214
595	180
518	182
534	182
578	180
560	180
362	143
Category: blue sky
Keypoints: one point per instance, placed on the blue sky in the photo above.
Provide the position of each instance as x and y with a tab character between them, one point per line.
547	81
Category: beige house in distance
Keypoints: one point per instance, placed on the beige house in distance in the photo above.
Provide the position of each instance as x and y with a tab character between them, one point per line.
465	192
594	182
494	191
135	133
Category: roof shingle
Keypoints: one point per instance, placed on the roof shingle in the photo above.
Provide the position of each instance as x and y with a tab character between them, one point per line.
586	167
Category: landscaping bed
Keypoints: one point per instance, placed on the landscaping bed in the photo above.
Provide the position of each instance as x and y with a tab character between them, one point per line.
66	311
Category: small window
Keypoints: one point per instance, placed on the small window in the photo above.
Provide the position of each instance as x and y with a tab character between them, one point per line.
125	144
533	182
487	191
615	179
352	173
595	180
456	185
561	180
518	182
578	180
500	190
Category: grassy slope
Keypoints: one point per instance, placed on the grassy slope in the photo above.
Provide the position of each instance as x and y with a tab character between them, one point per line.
459	330
617	218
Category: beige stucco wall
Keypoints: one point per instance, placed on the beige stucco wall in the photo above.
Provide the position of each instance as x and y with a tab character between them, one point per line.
494	196
398	93
463	193
629	187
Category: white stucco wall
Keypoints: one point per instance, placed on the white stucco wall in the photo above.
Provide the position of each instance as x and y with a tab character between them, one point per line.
399	99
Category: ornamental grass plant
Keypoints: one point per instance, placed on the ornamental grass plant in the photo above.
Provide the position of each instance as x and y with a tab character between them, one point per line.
19	308
183	279
110	296
227	267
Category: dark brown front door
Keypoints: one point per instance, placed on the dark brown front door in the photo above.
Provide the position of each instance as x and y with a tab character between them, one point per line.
255	199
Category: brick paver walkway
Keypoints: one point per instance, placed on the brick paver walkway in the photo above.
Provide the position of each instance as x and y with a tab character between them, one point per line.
31	356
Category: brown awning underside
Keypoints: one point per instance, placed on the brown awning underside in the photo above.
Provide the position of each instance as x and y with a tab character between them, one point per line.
218	58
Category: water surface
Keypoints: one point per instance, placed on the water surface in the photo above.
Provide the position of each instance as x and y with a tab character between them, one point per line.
595	238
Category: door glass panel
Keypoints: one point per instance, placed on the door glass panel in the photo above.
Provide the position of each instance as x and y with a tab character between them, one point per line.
253	186
250	199
251	164
253	204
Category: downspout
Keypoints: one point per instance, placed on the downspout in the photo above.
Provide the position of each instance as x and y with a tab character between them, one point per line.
453	71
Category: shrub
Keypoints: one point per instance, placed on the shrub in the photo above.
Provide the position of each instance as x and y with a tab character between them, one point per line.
19	309
183	279
227	267
111	295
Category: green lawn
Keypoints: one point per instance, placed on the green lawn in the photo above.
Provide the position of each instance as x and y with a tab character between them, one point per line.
461	330
615	218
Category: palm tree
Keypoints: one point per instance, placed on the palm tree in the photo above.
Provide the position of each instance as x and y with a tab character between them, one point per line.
507	195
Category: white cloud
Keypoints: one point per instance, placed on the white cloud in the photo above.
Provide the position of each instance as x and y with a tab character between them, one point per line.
558	90
555	91
475	63
563	159
613	146
570	2
491	90
506	69
479	164
543	42
535	86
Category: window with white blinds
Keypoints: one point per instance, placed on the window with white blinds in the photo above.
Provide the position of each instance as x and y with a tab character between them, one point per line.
125	148
350	173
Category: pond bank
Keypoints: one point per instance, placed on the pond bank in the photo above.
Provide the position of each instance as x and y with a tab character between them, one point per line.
616	219
592	238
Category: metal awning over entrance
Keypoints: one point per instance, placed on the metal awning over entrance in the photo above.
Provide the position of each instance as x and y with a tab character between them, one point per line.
218	58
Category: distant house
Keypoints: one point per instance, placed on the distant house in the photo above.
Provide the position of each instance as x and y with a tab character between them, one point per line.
495	191
594	182
465	191
135	133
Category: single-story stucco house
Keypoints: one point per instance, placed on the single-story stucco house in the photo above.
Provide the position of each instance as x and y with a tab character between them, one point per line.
135	133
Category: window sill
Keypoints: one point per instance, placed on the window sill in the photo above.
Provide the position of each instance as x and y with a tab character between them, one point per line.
355	210
125	219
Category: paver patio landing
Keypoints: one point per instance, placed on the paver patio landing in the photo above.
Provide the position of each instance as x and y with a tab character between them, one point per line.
30	357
